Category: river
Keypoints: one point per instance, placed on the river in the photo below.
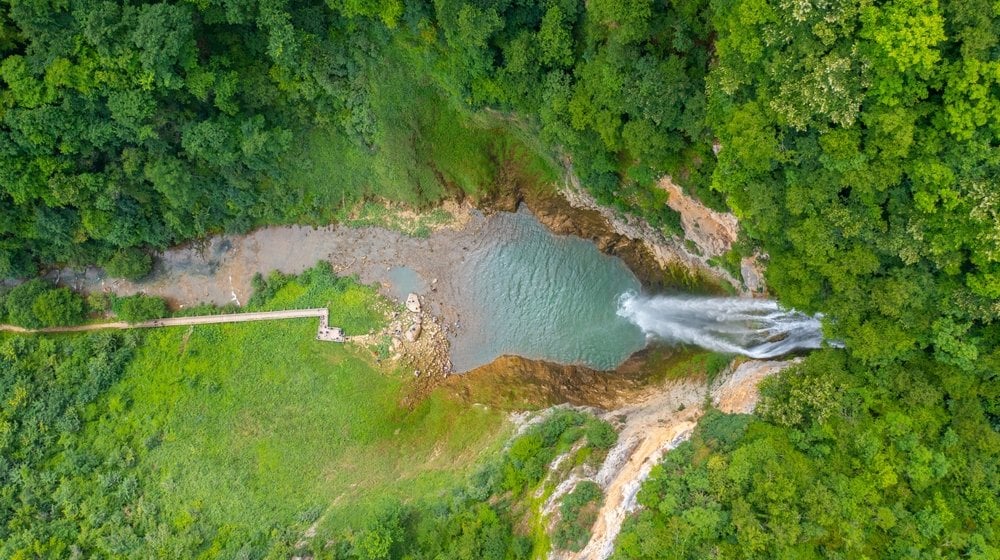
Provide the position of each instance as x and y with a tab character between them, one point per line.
502	284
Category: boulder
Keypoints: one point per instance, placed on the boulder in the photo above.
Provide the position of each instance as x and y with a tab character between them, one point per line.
413	303
413	333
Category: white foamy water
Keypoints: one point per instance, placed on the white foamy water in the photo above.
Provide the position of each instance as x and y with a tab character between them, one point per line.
751	327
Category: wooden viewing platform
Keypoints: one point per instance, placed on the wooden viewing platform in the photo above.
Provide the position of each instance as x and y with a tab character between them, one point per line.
325	331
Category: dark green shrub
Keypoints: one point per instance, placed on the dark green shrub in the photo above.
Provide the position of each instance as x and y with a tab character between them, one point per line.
526	461
36	304
264	289
132	264
715	363
58	308
601	435
721	430
98	302
139	308
562	427
578	512
19	302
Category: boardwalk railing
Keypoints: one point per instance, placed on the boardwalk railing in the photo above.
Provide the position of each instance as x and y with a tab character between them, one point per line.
325	332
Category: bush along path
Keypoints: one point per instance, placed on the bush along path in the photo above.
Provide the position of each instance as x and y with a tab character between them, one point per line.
325	331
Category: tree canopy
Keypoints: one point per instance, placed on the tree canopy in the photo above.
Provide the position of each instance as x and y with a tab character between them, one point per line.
860	148
857	141
141	124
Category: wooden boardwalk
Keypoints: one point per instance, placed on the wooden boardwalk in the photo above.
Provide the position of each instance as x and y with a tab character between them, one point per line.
325	331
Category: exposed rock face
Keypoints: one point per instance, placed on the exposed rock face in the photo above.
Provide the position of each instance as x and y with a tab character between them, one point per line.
650	427
530	383
657	251
712	232
736	392
649	254
753	275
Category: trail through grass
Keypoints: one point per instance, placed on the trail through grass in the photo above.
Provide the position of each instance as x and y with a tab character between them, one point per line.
261	425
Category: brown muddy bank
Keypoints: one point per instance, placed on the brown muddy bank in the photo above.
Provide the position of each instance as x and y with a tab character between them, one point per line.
518	383
522	383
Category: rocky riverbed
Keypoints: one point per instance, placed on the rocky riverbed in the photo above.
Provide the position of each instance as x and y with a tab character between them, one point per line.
219	270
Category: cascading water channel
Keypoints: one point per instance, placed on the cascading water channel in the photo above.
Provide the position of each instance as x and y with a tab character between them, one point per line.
752	327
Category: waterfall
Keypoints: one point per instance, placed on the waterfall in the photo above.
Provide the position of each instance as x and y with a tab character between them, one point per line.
752	327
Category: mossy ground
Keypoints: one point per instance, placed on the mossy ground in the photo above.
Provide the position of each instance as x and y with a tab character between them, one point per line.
668	364
424	149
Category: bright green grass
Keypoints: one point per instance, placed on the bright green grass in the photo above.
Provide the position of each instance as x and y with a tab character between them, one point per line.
379	214
260	425
328	172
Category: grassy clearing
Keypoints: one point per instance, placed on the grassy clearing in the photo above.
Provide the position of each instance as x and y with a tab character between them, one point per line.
385	215
288	426
259	425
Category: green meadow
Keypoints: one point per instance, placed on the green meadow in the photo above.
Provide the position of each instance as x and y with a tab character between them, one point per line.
263	423
218	436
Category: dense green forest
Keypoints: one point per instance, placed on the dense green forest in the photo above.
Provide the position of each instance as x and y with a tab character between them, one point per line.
860	147
138	125
133	125
857	141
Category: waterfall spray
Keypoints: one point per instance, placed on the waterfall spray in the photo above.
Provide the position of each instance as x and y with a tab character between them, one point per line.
752	327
